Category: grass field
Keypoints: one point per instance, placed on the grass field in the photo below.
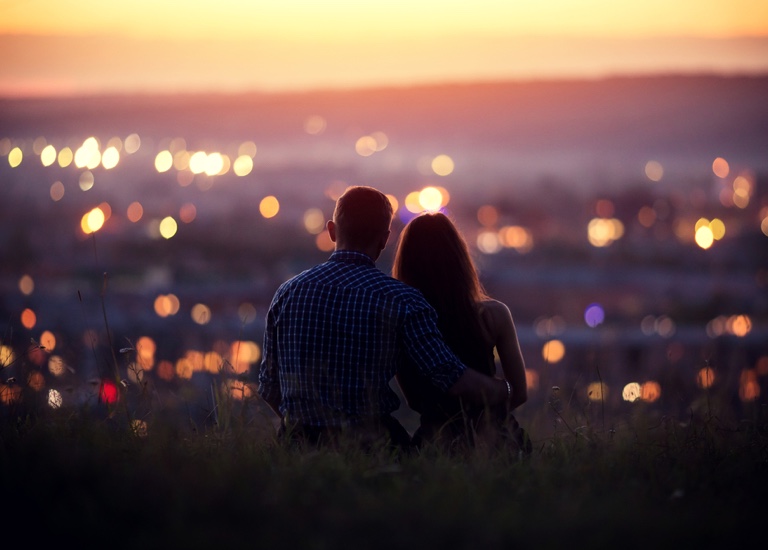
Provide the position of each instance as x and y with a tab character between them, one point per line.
85	476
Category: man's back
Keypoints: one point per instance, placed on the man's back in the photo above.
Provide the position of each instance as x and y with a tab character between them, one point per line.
334	336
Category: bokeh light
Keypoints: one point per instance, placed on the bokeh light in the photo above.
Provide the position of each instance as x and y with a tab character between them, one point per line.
720	167
168	227
15	157
201	314
92	221
594	315
48	155
26	285
314	221
135	212
553	351
654	171
65	157
28	319
597	391
57	191
243	165
55	399
269	206
488	215
315	125
705	378
442	165
430	199
603	232
631	392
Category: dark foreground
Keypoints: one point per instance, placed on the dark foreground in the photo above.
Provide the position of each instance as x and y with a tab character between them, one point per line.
84	477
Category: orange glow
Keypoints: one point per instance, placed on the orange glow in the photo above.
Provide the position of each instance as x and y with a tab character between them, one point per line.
48	340
187	212
201	314
56	365
26	285
269	207
431	199
314	125
36	381
705	378
239	390
488	242
323	242
135	211
720	167
242	355
749	388
7	356
66	156
314	221
553	351
532	379
145	352
9	394
597	391
165	370
92	221
488	215
104	49
243	165
28	319
650	391
443	165
653	170
603	232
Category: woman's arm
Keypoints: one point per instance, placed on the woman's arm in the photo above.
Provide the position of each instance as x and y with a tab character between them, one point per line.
501	328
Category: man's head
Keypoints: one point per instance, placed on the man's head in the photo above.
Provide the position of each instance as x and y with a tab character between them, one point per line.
361	221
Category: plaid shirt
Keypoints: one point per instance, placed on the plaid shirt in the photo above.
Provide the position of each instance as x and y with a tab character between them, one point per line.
335	335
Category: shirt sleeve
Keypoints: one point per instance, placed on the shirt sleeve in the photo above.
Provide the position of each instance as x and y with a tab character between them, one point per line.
425	347
269	383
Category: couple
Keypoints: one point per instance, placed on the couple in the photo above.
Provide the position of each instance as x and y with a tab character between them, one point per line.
337	334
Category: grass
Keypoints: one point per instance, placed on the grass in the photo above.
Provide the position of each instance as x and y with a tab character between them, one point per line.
86	476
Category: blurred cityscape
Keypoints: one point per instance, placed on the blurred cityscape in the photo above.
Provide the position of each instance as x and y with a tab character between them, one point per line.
624	222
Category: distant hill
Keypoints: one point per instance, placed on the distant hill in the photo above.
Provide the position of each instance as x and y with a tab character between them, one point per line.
534	127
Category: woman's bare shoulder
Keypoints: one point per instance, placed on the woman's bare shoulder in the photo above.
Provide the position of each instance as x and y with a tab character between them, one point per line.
495	308
495	315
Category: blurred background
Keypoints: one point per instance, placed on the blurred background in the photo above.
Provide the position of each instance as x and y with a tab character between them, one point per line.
165	166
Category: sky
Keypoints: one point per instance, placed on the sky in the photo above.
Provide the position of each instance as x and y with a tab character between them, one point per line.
93	46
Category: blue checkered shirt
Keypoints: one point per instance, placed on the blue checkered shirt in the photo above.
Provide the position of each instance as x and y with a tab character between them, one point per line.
334	337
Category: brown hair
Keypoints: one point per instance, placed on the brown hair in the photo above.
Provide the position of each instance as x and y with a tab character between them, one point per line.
433	257
362	214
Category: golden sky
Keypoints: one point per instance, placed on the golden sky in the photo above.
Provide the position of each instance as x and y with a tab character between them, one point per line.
97	45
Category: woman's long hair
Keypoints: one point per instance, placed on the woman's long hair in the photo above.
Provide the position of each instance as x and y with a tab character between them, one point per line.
433	257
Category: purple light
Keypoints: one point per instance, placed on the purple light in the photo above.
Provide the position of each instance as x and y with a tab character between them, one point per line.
594	315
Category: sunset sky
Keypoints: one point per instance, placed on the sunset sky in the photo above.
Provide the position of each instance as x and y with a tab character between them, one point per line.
90	46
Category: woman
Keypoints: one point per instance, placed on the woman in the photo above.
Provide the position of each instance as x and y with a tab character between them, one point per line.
433	257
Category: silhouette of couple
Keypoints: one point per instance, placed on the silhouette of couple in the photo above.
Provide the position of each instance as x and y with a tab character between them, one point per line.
337	334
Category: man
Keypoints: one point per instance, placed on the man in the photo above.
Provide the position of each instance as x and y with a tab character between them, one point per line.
336	333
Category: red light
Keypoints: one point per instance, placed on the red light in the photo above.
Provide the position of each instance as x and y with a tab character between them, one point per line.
107	392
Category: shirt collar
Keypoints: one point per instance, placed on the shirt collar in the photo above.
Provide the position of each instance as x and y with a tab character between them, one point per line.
352	257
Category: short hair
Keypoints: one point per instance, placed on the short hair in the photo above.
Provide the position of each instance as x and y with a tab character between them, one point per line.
362	215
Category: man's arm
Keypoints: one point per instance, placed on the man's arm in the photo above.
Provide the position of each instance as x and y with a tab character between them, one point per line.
269	383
